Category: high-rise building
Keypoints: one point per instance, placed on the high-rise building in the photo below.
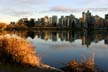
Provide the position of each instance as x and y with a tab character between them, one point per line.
46	20
88	16
106	19
84	16
67	19
72	20
88	20
50	20
42	21
106	16
54	20
61	21
38	21
97	20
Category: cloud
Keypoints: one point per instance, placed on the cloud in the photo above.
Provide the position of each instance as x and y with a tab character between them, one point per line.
20	13
66	9
32	1
19	8
36	2
63	9
17	13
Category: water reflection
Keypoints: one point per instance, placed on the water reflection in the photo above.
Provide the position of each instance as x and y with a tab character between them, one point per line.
87	37
57	48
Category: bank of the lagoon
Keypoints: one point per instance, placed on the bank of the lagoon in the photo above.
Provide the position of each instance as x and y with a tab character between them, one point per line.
18	55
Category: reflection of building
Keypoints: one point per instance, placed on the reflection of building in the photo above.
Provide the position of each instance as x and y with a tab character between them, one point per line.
83	40
106	40
54	36
87	37
41	35
47	35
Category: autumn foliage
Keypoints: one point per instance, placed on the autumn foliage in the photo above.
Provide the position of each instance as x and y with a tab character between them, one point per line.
17	50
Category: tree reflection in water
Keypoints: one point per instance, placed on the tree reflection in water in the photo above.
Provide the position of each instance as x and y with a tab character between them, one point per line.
87	37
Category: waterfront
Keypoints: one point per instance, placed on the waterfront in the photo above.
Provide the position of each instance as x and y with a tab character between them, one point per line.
53	36
57	48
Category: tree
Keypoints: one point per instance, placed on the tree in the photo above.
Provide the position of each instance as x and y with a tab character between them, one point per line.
3	26
32	22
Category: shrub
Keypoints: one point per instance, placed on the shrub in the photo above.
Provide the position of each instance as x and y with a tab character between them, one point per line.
14	49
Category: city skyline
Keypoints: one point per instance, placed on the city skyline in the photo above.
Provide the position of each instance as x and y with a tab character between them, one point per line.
12	10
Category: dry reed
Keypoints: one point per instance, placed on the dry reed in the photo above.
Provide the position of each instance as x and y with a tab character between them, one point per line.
14	49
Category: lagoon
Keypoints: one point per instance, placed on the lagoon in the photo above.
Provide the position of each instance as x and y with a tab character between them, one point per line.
57	48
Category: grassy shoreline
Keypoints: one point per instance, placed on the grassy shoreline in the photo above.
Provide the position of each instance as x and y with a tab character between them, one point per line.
18	55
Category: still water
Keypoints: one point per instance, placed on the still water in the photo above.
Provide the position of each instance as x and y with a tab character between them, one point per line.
57	48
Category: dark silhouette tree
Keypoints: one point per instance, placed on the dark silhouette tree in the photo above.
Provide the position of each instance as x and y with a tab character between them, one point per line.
32	22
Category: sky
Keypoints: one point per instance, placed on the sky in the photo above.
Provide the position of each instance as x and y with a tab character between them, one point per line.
13	10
